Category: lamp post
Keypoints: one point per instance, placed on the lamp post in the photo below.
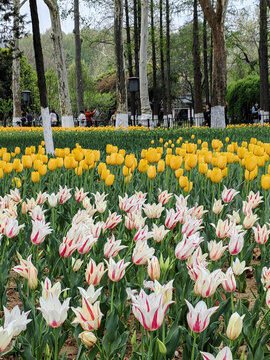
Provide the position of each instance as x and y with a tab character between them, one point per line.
133	88
26	97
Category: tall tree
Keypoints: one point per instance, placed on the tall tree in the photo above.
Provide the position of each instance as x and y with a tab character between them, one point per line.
57	38
168	61
16	90
154	60
198	106
205	61
162	67
215	19
130	62
78	58
121	87
136	37
146	113
41	79
263	61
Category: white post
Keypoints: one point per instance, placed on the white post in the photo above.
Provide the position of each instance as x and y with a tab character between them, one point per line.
121	121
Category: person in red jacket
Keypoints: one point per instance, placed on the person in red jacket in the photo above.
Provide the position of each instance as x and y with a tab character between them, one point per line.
88	117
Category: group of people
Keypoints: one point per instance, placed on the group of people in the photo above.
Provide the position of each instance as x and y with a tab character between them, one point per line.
85	118
28	120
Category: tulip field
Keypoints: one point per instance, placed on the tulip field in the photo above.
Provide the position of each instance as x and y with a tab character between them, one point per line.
141	245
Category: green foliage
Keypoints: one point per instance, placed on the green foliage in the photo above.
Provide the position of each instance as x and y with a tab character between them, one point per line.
28	81
6	73
52	90
241	95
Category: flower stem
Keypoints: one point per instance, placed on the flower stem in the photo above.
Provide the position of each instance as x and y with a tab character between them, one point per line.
56	350
150	346
232	302
193	347
112	294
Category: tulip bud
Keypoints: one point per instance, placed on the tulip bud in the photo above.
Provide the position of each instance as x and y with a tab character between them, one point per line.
24	208
76	264
153	268
133	339
161	347
88	338
234	326
32	278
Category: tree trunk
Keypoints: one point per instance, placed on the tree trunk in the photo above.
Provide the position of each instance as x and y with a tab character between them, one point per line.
137	21
16	90
41	79
78	60
205	61
129	51
198	106
136	37
168	61
263	61
216	22
57	38
121	87
154	64
162	68
144	95
130	64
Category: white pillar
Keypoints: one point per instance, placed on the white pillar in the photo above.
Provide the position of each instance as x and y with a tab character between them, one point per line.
121	120
67	121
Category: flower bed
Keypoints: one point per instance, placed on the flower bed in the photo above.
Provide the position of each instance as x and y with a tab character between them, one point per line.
142	255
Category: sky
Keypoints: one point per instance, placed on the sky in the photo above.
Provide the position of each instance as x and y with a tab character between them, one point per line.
67	25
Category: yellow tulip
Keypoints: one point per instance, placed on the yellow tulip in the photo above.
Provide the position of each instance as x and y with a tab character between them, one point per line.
6	157
16	164
89	158
26	161
8	168
216	175
35	176
125	170
143	165
101	166
109	180
183	181
265	182
78	171
260	161
59	162
1	173
175	162
222	162
192	160
161	166
179	172
105	173
37	164
119	159
17	150
42	170
151	172
129	159
68	161
203	168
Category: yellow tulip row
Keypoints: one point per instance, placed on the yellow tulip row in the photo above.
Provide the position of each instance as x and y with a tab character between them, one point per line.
179	158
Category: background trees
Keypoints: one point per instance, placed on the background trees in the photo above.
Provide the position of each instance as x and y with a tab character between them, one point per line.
183	58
